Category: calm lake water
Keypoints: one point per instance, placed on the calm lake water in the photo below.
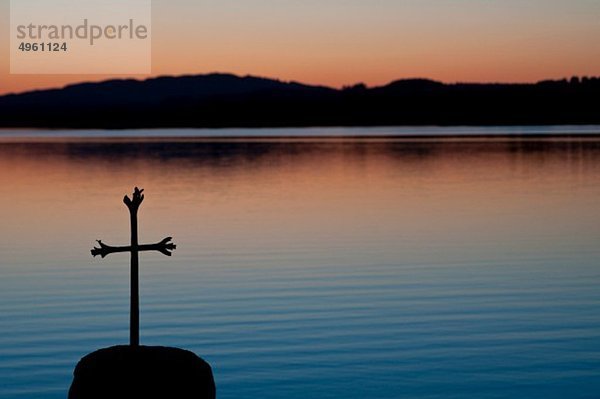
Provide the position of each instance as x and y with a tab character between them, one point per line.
321	268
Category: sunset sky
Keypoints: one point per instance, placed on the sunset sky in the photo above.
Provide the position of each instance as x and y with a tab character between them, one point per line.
341	42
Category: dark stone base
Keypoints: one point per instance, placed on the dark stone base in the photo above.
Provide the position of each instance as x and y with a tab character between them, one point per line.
142	372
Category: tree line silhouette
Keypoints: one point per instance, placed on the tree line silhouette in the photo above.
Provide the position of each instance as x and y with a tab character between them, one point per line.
225	100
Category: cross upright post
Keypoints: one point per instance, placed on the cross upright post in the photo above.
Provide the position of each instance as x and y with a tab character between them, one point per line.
165	247
134	314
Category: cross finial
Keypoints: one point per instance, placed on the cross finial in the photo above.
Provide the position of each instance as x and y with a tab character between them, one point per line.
134	203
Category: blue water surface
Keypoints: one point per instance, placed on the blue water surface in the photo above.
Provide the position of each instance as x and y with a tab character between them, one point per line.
319	268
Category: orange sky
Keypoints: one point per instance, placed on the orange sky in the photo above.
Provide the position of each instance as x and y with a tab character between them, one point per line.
340	42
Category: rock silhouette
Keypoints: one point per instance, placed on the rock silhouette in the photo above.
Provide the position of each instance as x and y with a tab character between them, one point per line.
142	372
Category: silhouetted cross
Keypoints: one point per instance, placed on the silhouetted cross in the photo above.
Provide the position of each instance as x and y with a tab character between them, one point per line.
165	247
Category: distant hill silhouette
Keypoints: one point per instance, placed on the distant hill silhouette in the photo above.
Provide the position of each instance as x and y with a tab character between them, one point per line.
225	100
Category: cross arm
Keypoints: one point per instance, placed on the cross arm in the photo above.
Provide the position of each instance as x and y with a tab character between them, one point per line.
165	247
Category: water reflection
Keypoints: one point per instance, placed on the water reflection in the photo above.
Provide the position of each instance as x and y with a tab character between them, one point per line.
222	153
342	267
